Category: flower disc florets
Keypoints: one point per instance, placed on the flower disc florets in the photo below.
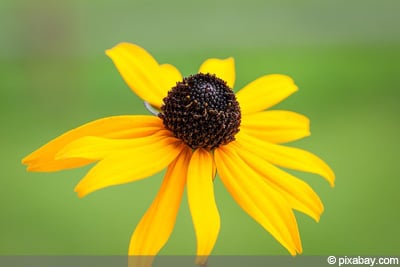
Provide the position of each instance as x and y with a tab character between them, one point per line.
202	111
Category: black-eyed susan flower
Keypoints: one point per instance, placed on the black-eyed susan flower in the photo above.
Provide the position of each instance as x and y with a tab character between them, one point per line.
201	128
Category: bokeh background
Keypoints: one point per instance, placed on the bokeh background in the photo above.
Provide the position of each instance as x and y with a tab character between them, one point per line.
54	76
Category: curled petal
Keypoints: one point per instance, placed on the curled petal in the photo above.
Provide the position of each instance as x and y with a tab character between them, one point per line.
287	157
265	92
258	198
297	193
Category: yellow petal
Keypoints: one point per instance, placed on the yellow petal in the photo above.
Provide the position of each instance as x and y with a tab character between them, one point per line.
276	126
258	199
200	190
298	194
43	159
129	165
287	157
171	76
222	68
156	226
265	92
140	71
48	165
96	148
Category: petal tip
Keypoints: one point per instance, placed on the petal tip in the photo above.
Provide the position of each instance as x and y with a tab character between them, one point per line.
230	59
307	133
25	161
81	192
290	81
29	158
110	51
330	176
201	260
118	45
317	215
30	168
35	167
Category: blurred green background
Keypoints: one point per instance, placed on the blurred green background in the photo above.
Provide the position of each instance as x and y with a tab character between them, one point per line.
54	76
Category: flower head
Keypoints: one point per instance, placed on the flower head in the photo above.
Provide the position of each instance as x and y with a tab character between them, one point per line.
202	128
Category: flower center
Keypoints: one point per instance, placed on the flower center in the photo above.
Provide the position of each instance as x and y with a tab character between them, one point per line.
202	111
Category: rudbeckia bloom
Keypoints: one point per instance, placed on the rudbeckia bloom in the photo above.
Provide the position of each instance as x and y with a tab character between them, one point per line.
201	128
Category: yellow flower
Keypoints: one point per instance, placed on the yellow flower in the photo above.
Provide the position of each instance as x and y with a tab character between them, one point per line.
202	128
